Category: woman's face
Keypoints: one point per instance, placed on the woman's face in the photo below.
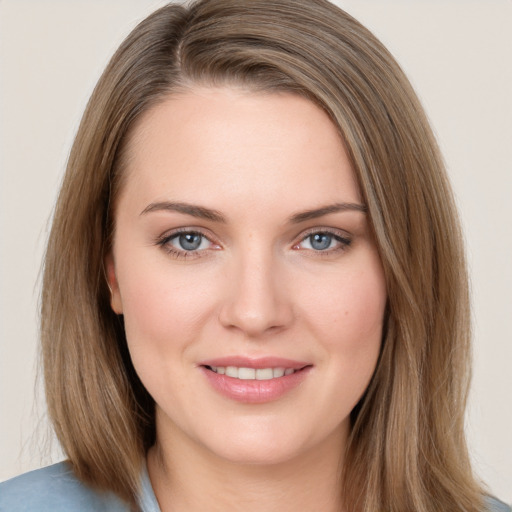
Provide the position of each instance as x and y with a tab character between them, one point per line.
251	288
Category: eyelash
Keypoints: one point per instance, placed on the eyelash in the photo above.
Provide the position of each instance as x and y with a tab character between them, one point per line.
165	242
341	237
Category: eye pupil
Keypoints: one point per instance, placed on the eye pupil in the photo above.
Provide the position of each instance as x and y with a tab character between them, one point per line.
320	241
190	241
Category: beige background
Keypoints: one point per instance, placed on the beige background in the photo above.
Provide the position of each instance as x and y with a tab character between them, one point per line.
458	56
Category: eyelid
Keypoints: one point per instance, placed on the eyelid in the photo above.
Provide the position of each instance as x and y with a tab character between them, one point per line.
324	229
165	239
343	237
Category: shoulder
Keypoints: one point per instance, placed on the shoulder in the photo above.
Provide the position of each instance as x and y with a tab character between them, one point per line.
56	489
494	505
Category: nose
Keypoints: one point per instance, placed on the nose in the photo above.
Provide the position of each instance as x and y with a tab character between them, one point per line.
257	301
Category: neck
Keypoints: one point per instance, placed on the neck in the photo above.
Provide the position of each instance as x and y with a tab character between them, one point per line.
189	478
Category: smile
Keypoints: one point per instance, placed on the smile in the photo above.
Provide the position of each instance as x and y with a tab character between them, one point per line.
254	381
251	373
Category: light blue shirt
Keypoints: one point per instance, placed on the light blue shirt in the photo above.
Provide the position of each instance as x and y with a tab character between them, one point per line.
56	489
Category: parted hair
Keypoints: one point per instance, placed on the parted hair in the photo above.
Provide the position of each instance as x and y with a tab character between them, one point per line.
407	449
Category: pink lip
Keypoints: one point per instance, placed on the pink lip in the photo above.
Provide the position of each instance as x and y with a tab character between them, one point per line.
255	391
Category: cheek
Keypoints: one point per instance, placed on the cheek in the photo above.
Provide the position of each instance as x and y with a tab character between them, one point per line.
349	308
348	320
159	303
163	315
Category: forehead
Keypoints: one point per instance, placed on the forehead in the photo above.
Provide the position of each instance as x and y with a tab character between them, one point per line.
210	144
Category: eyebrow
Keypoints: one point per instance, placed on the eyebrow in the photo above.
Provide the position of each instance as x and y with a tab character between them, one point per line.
202	212
189	209
325	210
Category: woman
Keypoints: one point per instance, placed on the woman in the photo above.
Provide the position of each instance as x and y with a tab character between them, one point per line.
254	292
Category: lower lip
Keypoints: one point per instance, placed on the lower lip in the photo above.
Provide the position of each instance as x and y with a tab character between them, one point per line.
255	391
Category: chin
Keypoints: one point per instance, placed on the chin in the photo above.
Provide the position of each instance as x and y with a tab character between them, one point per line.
270	445
258	455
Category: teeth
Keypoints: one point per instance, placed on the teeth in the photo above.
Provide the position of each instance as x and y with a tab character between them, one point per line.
264	374
232	371
246	373
252	373
278	372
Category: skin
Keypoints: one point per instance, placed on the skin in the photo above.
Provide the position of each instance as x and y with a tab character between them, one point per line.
257	286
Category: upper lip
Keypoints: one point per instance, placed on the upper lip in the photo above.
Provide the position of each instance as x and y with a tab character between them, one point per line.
256	363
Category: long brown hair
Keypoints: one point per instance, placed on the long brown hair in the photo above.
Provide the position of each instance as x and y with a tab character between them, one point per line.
407	447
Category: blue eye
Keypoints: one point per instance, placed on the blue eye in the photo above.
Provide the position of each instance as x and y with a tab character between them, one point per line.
187	244
189	241
320	241
324	241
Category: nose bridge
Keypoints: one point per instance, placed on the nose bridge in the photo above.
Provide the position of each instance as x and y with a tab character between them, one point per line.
257	301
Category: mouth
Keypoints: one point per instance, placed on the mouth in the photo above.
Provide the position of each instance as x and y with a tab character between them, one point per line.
255	381
243	373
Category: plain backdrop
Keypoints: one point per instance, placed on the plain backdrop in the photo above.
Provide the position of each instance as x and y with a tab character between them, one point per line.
457	54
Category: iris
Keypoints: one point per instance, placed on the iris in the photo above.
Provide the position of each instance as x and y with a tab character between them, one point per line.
190	241
320	241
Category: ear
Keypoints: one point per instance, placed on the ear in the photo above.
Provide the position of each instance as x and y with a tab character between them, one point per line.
115	296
